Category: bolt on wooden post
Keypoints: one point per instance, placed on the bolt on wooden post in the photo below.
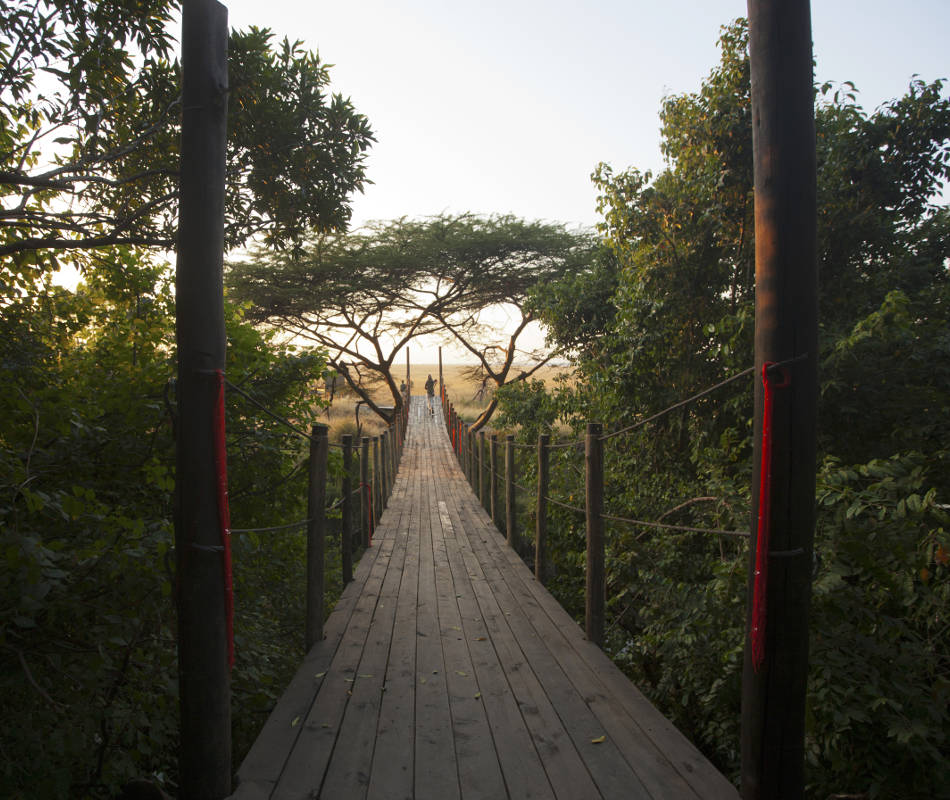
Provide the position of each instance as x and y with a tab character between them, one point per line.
596	584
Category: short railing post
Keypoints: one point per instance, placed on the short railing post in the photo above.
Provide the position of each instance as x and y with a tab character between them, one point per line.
377	485
366	518
493	481
471	458
384	469
316	533
346	508
481	467
511	529
596	586
541	510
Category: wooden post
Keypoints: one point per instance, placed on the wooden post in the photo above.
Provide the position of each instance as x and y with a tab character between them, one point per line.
393	454
441	383
408	379
481	467
377	485
493	481
471	458
203	673
786	329
596	585
366	498
384	469
346	508
541	511
511	528
400	434
316	533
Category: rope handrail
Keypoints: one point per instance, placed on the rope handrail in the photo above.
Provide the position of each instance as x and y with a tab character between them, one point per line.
666	526
267	411
288	526
680	404
577	509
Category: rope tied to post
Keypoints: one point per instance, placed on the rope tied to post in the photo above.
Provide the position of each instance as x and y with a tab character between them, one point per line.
763	527
224	512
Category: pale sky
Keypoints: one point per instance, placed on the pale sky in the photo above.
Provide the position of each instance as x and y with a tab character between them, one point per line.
507	107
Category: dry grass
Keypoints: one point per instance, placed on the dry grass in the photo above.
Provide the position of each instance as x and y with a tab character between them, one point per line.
461	380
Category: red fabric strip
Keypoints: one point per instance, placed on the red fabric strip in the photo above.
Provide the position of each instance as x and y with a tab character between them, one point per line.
224	512
763	528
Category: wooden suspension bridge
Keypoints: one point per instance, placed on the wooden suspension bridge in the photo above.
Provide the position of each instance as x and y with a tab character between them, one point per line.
448	671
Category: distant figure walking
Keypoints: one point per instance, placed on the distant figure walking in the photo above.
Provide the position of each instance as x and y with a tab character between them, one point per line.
430	394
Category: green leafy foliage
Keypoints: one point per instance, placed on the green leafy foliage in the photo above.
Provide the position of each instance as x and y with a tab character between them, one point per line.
674	316
90	129
86	610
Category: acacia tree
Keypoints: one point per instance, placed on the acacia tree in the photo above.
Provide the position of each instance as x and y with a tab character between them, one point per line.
89	131
365	296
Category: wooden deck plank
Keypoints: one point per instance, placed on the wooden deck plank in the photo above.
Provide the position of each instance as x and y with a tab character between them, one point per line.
610	691
348	774
436	770
307	762
479	771
449	672
392	776
264	763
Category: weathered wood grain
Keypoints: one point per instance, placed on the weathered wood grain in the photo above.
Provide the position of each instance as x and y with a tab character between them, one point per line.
448	671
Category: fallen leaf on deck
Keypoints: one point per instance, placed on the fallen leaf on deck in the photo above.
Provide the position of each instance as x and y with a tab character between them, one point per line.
295	722
598	740
460	672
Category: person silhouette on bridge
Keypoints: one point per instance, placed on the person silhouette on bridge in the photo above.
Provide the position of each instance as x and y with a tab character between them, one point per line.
430	394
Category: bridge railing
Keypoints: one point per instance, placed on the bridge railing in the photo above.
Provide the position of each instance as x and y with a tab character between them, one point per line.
502	490
366	479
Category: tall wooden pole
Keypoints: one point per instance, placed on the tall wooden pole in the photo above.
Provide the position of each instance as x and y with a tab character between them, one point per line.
786	330
203	672
408	379
316	534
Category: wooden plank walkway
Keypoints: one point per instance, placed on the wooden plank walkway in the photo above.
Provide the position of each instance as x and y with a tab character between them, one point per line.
448	671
